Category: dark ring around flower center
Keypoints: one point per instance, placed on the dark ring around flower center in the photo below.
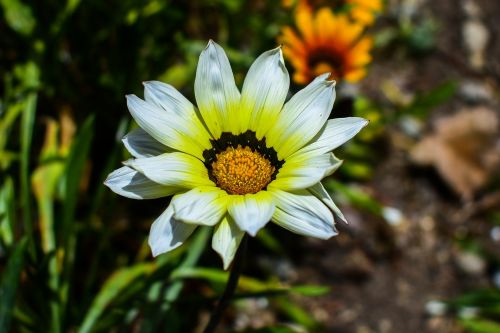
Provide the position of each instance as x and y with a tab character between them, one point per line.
246	140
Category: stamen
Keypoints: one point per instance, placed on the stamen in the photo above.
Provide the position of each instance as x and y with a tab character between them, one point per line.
241	171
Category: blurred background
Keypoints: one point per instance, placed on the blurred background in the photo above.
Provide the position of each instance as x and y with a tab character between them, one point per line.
419	185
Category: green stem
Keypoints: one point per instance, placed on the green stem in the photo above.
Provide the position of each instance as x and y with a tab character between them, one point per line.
232	282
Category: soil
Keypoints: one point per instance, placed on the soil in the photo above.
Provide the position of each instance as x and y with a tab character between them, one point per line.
381	275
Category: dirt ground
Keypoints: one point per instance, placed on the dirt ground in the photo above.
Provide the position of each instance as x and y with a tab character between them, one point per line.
381	275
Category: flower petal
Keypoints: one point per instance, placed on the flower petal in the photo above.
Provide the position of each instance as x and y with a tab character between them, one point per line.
173	169
201	205
167	233
264	92
251	212
304	171
305	22
227	237
169	99
304	214
140	144
302	117
215	90
335	133
320	192
166	127
132	184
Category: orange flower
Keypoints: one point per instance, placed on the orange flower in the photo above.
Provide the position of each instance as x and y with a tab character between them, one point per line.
327	43
362	11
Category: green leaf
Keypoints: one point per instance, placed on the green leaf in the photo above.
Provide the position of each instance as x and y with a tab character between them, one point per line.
355	196
7	212
30	75
64	15
45	179
18	16
425	102
114	286
310	290
487	300
478	298
481	325
166	312
220	277
73	173
71	181
245	283
296	314
9	284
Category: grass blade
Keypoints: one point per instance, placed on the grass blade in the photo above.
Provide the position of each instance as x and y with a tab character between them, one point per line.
7	212
71	181
9	284
112	288
27	120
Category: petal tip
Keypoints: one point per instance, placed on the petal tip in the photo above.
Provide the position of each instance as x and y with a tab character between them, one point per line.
130	163
334	232
322	77
225	264
252	233
210	44
132	99
155	252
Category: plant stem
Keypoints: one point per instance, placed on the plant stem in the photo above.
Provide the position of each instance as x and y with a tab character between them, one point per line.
232	282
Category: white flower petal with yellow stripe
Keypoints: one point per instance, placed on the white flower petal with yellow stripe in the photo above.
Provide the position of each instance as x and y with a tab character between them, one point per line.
236	161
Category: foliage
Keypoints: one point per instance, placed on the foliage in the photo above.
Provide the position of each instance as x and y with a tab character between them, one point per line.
66	263
73	256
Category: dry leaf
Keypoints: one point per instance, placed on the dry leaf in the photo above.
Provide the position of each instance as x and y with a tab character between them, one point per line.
465	149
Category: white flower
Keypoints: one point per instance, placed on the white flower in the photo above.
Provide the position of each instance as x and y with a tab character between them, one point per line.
237	161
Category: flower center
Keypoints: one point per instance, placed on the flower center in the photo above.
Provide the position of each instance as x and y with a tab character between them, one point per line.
326	60
241	171
241	163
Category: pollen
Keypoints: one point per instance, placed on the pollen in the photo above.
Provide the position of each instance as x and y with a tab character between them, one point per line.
242	171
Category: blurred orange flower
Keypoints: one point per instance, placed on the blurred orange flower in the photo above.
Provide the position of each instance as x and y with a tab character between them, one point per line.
326	43
362	11
365	11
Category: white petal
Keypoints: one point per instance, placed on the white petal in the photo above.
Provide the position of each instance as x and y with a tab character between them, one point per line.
202	205
187	117
335	133
321	193
304	171
173	169
132	184
215	90
166	97
167	127
227	237
304	214
140	144
251	212
302	117
264	92
167	233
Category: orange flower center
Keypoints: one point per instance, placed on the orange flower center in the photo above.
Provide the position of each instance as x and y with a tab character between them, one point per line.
241	171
